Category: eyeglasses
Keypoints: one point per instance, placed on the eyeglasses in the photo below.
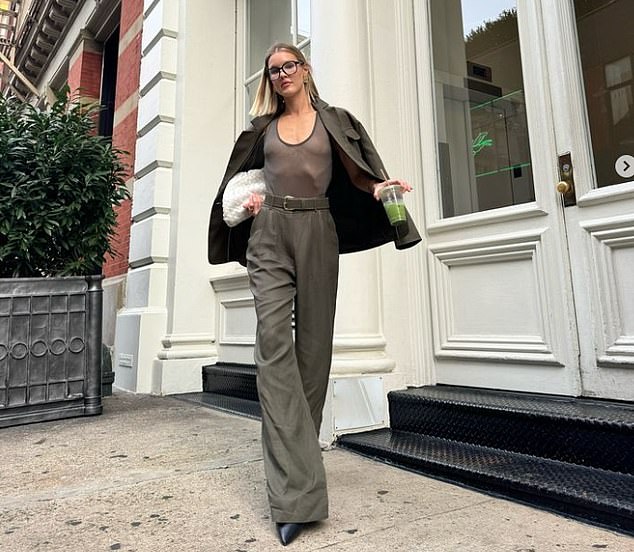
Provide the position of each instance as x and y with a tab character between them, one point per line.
289	68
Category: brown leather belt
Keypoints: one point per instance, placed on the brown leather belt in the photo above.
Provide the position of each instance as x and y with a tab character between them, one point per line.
290	203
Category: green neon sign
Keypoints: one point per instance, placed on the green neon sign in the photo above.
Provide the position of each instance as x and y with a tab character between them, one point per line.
480	142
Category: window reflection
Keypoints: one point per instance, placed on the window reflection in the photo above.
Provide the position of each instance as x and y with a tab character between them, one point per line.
484	155
606	46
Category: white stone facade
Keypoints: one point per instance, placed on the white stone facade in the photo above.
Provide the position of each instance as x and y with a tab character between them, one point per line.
181	313
486	300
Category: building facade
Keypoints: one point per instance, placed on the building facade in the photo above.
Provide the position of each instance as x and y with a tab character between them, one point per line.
514	122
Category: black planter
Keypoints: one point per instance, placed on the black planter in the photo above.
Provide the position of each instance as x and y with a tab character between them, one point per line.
50	348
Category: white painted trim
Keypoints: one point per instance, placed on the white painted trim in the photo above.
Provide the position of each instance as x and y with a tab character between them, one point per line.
608	194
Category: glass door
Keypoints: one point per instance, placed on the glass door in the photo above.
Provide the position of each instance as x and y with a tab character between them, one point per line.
529	189
501	290
591	68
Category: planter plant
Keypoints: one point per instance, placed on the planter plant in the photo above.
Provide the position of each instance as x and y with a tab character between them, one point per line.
59	184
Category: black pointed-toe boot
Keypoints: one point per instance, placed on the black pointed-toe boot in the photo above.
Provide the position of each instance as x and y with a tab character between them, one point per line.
288	532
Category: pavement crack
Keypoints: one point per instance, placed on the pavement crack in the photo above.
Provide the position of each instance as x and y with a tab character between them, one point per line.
452	510
363	536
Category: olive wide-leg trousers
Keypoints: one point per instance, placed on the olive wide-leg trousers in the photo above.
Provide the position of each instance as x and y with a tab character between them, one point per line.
293	258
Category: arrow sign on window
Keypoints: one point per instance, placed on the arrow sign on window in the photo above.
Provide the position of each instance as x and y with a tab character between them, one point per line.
625	166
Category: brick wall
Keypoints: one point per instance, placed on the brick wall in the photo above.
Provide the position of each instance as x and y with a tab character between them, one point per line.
84	73
125	119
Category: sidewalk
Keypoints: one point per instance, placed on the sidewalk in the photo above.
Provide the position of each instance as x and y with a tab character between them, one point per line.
160	474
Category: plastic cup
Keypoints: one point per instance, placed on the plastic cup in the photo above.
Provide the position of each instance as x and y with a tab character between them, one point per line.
392	199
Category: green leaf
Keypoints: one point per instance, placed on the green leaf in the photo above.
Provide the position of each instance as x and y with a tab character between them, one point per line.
59	184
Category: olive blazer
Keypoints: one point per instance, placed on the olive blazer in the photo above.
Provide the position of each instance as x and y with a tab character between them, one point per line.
360	220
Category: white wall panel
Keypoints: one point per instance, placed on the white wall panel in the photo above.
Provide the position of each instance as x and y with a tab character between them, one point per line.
491	299
235	317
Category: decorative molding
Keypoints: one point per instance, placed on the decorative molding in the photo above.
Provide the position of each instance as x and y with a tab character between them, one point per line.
607	194
153	123
494	216
226	307
158	77
157	164
607	237
149	5
493	346
358	343
230	282
360	354
149	213
146	261
187	346
163	33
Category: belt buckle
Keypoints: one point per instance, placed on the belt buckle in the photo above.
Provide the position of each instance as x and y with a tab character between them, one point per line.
285	205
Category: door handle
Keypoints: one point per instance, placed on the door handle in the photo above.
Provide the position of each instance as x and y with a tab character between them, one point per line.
563	187
566	184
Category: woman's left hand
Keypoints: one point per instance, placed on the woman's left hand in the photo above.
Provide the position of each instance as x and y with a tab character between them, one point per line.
376	189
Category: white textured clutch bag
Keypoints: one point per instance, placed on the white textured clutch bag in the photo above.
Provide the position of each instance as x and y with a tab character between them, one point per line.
237	191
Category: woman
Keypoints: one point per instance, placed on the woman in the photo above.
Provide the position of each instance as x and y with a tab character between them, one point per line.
323	178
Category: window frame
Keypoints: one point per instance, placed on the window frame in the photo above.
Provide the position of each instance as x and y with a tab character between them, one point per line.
244	80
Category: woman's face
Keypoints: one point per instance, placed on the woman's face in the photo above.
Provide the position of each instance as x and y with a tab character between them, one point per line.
287	85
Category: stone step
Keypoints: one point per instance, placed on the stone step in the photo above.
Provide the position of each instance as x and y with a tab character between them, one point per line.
580	431
231	387
572	456
234	380
590	494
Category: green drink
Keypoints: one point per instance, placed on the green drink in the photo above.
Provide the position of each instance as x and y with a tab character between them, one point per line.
395	212
392	198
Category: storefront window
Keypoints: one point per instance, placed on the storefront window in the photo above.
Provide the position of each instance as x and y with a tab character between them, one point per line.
483	147
606	46
270	21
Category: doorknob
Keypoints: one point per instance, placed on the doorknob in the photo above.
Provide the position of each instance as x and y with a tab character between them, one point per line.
566	184
563	187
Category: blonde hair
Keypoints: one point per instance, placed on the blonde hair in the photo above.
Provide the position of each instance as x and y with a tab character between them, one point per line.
266	100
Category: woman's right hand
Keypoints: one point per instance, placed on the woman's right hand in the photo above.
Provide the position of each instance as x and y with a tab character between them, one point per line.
254	203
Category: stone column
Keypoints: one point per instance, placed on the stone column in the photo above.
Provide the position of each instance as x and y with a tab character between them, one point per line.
341	63
142	324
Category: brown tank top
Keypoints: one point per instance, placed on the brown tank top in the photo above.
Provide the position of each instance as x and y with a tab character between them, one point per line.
299	170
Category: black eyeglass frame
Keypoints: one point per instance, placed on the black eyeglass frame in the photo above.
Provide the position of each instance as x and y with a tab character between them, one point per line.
279	70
